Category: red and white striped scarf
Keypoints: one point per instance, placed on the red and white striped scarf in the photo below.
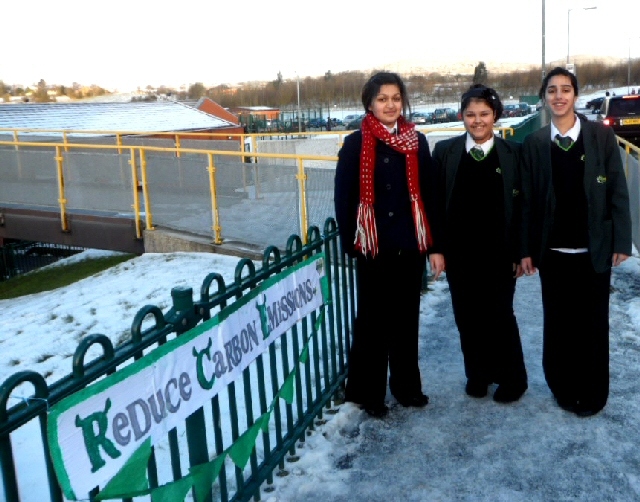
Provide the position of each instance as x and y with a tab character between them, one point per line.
405	141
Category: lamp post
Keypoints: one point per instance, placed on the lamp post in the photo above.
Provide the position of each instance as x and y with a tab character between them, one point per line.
629	67
299	122
544	64
568	18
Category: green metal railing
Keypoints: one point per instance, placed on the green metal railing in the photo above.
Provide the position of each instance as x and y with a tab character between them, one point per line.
17	258
318	382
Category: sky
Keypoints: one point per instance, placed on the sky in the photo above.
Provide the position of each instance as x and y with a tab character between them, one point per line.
455	449
124	45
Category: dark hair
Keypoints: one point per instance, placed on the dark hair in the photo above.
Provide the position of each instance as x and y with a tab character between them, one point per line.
558	70
479	92
372	87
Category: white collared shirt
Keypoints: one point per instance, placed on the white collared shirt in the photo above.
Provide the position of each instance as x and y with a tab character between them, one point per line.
573	133
486	146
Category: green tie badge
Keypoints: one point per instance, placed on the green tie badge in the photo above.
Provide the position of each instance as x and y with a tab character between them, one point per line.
477	153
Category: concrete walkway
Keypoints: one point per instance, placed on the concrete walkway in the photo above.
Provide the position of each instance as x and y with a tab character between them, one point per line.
464	449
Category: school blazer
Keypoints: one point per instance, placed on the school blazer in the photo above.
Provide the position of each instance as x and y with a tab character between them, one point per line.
447	155
605	185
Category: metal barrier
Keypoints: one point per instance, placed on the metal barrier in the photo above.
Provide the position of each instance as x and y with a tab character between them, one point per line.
325	336
204	186
530	124
630	156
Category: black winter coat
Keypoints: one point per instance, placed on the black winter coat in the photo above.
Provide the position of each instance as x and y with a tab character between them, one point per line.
392	206
605	186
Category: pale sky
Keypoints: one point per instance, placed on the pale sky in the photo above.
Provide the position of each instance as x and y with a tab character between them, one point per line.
126	44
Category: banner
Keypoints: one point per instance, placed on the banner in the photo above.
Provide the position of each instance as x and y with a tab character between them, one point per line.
94	433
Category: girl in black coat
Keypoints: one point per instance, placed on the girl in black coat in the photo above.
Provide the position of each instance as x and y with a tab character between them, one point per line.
575	225
477	231
380	188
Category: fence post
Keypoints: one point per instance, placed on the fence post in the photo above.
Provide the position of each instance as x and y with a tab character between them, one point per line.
145	190
217	231
61	194
302	178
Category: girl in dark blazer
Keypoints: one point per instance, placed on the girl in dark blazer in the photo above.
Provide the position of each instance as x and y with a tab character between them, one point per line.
476	230
380	189
575	225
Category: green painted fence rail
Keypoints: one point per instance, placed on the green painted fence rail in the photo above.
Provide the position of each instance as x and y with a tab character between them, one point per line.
318	383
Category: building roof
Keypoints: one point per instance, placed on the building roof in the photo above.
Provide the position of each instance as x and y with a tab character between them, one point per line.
211	107
139	117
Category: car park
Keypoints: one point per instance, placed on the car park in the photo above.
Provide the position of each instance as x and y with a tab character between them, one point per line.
420	118
622	114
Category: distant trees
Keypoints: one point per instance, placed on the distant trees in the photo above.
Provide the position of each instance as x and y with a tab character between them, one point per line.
480	74
41	95
344	89
196	91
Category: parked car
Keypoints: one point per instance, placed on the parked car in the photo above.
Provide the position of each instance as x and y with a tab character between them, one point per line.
525	109
354	124
351	117
622	114
516	110
420	118
317	122
444	115
594	104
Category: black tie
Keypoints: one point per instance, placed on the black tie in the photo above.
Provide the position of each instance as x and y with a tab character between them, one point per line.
477	153
564	142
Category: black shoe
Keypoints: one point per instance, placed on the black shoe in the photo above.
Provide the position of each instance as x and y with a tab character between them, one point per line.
584	410
476	388
509	393
376	410
417	401
567	404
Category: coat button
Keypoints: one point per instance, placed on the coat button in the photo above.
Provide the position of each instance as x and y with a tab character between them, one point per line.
388	186
386	160
390	213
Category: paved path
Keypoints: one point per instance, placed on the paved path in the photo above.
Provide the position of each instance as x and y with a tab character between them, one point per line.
463	449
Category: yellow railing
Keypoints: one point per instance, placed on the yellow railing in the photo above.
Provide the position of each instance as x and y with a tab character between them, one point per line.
178	136
138	162
137	159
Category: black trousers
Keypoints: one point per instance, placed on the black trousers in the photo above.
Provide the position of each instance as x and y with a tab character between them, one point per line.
575	301
385	335
482	302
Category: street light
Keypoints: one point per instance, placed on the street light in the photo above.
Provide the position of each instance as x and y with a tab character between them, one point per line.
568	18
299	123
544	64
629	67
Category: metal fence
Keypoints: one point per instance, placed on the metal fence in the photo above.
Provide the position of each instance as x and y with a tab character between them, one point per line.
204	436
256	189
